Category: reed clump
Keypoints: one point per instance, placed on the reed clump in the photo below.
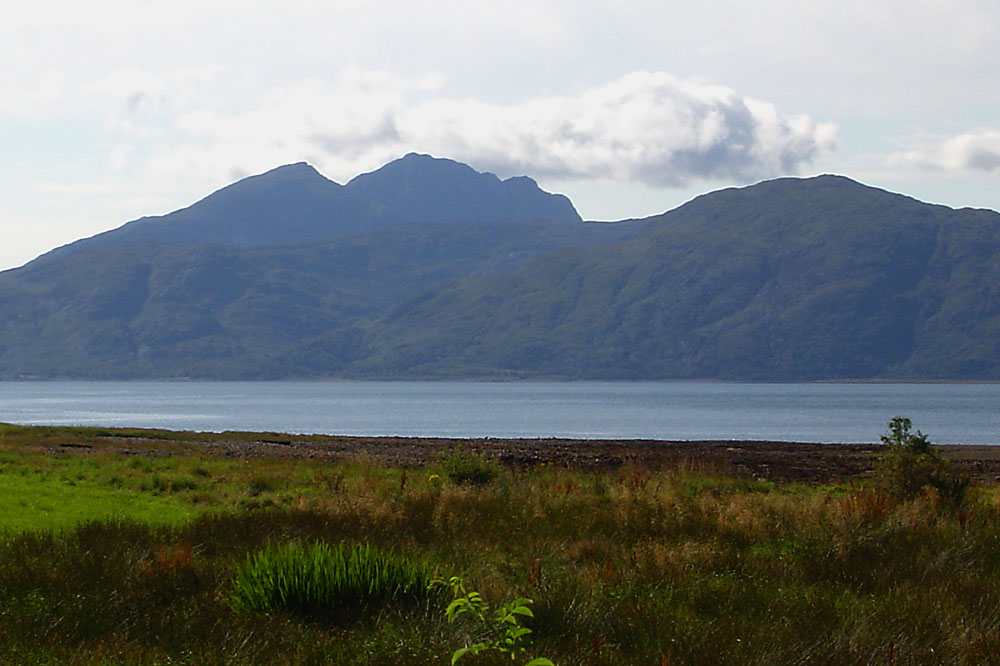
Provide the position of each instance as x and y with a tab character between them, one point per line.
320	580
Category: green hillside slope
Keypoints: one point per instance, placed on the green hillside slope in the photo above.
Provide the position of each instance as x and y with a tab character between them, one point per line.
790	279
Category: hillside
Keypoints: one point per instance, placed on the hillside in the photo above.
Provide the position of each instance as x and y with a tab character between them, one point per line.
428	269
271	277
790	279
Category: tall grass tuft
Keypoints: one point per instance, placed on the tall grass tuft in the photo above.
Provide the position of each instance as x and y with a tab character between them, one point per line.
468	467
318	580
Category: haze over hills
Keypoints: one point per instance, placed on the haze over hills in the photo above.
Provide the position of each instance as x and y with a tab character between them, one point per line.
426	268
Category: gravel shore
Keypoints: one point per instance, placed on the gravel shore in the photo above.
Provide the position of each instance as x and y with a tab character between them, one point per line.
803	462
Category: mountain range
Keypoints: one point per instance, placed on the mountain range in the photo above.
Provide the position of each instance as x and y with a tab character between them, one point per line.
426	268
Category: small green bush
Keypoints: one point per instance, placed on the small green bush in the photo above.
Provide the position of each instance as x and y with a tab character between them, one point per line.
910	464
323	581
463	467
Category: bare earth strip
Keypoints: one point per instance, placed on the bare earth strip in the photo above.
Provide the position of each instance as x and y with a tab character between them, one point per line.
774	461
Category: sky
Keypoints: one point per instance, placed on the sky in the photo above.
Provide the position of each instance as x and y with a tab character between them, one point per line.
115	109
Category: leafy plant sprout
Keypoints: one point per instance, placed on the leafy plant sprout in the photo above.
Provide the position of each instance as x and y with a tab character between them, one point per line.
501	631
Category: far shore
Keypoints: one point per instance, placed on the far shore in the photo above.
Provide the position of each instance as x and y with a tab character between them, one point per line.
781	462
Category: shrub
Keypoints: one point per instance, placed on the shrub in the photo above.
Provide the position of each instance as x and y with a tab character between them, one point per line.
900	437
467	467
910	464
323	581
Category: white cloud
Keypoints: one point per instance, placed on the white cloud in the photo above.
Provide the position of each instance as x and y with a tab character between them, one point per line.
174	97
972	151
644	127
50	94
31	96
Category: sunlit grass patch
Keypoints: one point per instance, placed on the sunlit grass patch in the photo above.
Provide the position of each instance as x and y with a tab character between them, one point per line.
50	502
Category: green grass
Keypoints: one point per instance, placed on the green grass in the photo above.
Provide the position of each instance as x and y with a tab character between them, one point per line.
47	492
56	478
624	567
42	502
321	580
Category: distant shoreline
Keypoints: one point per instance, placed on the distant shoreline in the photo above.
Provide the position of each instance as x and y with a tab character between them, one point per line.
782	462
489	379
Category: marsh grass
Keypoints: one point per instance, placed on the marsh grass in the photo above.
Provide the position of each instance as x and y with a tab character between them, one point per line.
323	581
625	567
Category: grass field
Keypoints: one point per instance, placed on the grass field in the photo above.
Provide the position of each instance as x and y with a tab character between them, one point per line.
112	557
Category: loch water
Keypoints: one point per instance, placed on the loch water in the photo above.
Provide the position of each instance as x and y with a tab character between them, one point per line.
815	412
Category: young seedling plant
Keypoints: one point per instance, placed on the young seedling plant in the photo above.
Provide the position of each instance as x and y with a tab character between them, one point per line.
502	629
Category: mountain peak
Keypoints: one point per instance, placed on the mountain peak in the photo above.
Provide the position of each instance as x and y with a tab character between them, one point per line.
431	189
821	191
294	203
301	168
413	157
420	169
287	173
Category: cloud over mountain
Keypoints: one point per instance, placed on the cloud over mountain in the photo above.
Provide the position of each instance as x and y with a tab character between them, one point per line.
648	127
973	151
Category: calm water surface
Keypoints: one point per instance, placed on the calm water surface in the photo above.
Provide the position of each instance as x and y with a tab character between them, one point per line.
949	413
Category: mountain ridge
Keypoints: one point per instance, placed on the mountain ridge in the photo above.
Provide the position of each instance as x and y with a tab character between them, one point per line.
413	183
790	279
731	286
310	206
